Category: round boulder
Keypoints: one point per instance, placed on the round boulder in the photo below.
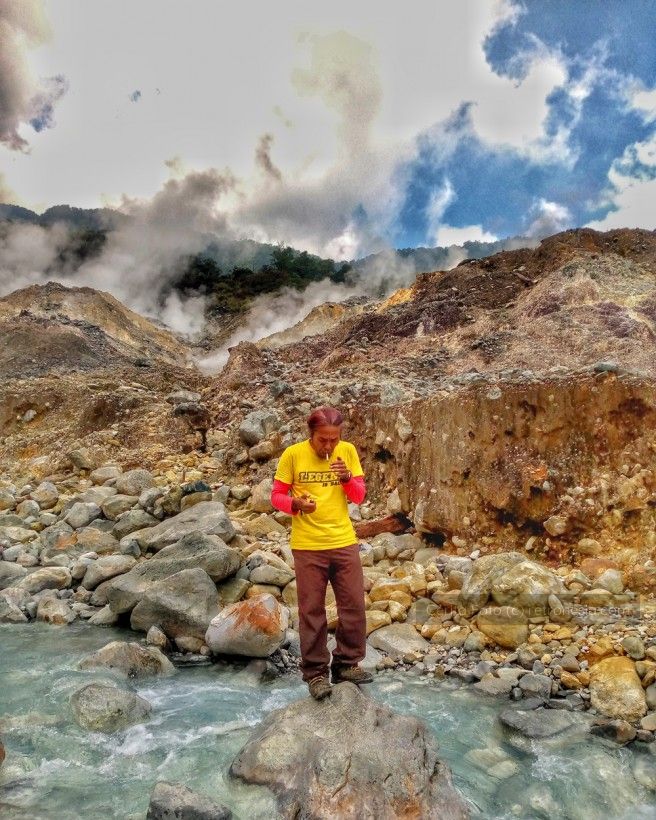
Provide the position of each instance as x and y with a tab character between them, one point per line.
254	627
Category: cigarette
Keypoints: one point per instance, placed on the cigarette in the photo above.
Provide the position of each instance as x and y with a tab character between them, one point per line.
326	456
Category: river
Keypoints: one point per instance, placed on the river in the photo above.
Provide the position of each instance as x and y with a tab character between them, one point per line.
202	716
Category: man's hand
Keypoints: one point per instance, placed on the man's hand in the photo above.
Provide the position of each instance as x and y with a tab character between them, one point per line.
343	472
305	504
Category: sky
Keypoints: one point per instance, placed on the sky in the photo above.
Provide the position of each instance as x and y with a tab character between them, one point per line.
341	128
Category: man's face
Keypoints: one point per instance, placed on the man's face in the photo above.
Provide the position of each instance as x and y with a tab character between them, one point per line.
324	440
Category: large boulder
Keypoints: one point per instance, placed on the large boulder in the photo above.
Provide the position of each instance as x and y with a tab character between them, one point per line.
507	626
195	550
477	585
134	482
100	707
616	690
46	495
46	578
208	517
54	611
398	639
254	627
527	585
349	757
182	604
129	659
10	573
10	613
173	801
258	425
109	566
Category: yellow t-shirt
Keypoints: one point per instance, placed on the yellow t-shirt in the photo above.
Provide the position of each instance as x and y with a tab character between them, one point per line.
329	526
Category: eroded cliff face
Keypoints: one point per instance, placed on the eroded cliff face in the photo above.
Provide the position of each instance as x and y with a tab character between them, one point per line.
548	464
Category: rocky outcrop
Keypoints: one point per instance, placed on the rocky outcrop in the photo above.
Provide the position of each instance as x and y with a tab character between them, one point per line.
350	757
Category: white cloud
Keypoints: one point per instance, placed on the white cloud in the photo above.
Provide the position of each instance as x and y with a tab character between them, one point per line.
447	235
632	198
548	218
339	111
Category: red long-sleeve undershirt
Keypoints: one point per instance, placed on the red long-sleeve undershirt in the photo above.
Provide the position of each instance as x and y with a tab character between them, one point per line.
354	488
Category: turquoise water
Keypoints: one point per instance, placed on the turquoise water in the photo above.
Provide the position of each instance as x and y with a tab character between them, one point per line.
201	717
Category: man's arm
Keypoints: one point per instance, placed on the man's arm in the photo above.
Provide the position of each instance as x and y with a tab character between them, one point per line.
280	498
355	489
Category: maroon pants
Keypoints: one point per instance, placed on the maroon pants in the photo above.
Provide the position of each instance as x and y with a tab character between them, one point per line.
342	567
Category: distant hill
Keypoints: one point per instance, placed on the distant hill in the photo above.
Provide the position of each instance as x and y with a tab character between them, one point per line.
90	218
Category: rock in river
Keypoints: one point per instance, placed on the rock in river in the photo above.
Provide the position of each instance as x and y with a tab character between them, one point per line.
129	659
103	708
173	801
349	757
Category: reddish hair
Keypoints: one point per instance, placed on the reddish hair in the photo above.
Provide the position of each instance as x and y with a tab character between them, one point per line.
325	417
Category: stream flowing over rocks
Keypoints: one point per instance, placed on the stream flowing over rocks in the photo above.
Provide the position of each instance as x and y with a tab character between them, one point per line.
148	600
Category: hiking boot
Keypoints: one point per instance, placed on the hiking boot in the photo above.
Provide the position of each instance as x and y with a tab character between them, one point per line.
320	687
353	674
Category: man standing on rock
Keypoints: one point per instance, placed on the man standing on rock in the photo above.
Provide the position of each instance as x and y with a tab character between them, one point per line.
323	474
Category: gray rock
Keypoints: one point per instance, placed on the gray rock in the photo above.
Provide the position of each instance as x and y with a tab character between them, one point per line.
105	473
232	591
397	639
477	587
208	517
258	425
10	573
82	514
491	685
46	578
96	495
46	495
267	574
17	534
81	458
195	550
173	801
103	708
611	579
634	647
10	613
255	627
536	685
131	521
349	757
181	605
261	496
537	723
7	500
129	659
117	505
104	617
420	611
134	482
109	566
54	611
